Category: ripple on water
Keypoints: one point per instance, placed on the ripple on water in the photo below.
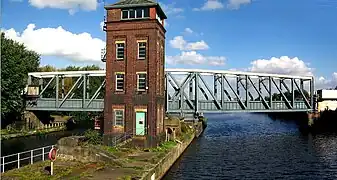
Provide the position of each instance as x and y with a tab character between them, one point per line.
252	146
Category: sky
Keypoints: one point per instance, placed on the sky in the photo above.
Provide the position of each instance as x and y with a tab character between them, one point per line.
295	37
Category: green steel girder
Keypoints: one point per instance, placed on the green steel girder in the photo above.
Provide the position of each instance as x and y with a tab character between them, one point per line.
187	91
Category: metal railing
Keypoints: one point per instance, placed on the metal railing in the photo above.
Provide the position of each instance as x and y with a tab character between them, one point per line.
24	158
115	140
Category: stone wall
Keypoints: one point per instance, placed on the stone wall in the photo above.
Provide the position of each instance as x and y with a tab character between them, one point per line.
165	163
69	148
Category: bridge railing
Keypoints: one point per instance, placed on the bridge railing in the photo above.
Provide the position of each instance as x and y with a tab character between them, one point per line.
21	159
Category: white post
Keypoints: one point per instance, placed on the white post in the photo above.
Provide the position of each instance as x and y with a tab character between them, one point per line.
51	167
31	156
43	154
3	164
18	160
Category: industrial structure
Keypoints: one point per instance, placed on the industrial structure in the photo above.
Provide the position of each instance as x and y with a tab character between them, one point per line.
135	91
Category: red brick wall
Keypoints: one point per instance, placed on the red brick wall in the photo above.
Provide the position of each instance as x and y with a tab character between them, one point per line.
131	31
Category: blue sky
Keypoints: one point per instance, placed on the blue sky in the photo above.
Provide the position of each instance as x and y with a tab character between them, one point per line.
279	36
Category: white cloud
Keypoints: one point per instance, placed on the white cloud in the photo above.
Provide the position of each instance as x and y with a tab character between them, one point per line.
59	42
71	5
166	24
188	30
326	83
178	42
235	4
292	66
170	9
101	24
282	65
193	57
210	5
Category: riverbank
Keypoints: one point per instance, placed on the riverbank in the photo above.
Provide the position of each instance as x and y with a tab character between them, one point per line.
5	136
103	162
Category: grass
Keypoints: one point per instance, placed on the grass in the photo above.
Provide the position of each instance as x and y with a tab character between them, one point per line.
5	134
164	146
37	171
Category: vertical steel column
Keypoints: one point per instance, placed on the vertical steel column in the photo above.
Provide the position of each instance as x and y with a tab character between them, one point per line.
196	94
260	88
293	93
247	92
57	91
84	89
312	93
302	85
215	86
62	84
88	87
270	93
281	89
222	92
181	104
41	86
237	85
190	93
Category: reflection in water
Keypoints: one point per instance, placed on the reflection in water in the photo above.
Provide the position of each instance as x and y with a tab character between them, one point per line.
252	146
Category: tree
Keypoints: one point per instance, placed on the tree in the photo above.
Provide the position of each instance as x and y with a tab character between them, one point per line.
336	88
16	62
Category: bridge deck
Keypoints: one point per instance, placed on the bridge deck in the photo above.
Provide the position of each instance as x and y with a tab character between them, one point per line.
187	91
49	104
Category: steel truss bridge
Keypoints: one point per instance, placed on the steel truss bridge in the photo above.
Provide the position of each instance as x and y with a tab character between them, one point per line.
187	91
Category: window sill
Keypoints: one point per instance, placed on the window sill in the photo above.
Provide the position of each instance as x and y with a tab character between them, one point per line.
118	126
133	19
120	59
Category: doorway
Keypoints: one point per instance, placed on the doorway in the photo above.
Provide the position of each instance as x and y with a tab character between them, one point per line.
140	123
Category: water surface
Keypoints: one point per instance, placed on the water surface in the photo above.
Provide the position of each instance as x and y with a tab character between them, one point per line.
253	146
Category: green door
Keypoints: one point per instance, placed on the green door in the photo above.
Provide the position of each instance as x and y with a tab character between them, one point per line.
140	123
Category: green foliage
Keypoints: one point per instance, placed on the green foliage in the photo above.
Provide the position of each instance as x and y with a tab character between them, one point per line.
288	95
164	146
16	62
93	137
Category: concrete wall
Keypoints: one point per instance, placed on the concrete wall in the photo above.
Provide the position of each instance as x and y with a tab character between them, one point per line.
165	163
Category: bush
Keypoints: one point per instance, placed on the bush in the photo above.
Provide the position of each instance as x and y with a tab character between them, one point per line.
93	137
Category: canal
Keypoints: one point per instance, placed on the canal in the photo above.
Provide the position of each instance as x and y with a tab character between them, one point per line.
20	144
254	146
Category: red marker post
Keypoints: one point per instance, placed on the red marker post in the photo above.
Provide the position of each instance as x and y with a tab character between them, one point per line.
52	157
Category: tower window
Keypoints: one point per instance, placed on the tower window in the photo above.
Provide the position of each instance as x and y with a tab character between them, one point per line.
132	13
125	14
146	12
137	13
119	117
141	81
141	50
119	82
120	50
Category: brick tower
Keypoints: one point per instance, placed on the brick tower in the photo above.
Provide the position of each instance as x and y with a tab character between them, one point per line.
135	51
